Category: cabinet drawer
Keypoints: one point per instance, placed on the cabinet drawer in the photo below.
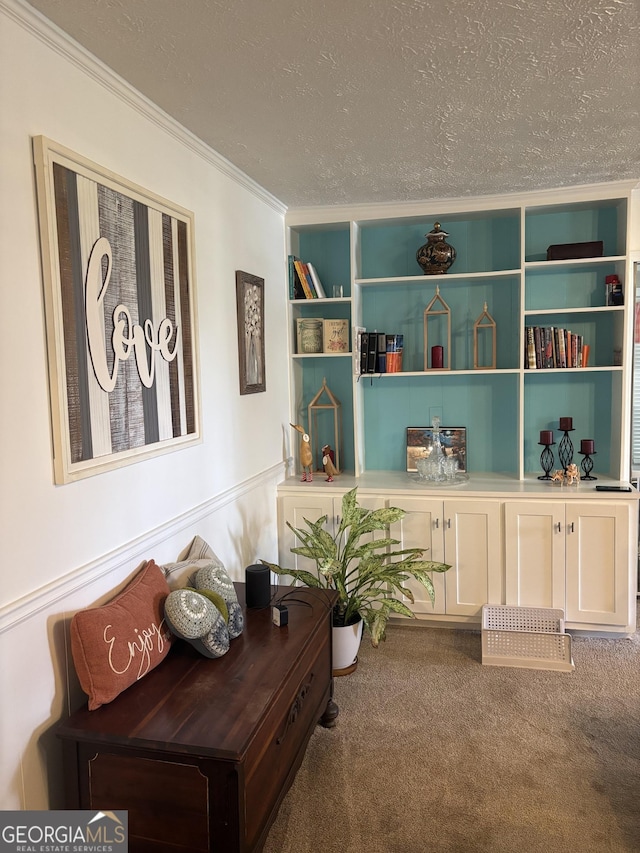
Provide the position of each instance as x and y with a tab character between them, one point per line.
279	744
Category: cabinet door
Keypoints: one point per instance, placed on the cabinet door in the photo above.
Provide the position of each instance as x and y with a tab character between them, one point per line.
534	554
294	509
598	547
472	544
422	528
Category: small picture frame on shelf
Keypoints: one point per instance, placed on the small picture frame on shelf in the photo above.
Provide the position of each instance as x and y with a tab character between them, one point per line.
336	336
420	445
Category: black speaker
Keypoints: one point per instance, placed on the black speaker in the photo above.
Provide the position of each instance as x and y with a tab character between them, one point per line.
258	580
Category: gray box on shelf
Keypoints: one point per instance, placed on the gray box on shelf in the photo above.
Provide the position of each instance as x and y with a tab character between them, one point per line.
528	637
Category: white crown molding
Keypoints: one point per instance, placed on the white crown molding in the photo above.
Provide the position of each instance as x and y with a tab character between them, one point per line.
56	39
343	214
129	556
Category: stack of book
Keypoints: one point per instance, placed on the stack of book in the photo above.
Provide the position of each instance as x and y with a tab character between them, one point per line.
379	352
548	347
304	281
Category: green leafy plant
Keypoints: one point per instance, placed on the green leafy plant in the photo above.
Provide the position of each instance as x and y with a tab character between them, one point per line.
369	576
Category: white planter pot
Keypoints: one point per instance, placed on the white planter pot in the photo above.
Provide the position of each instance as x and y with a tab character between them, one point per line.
346	642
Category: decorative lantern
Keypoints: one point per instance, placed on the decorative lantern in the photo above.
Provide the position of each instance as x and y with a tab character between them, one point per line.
485	325
325	402
439	313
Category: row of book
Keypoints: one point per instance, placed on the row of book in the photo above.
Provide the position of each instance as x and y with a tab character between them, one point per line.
379	352
548	347
304	281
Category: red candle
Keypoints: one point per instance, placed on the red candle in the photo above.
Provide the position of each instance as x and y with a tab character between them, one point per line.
566	424
546	436
437	357
587	446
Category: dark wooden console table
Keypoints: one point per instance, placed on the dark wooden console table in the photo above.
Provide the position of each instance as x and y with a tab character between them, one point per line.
201	752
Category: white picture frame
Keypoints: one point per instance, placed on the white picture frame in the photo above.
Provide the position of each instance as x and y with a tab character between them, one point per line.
120	309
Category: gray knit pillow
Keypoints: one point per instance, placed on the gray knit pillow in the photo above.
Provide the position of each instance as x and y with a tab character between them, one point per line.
214	577
194	618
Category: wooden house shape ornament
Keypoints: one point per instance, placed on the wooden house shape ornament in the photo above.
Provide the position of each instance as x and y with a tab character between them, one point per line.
436	309
325	401
485	325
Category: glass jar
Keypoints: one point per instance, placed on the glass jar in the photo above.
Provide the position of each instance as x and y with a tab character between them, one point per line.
311	336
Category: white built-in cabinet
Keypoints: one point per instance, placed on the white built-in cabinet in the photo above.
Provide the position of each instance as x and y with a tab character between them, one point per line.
573	555
527	545
510	537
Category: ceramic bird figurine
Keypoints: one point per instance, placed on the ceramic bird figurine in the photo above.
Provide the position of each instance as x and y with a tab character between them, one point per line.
306	457
327	462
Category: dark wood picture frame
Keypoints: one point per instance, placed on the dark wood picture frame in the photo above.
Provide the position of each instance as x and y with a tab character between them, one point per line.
250	306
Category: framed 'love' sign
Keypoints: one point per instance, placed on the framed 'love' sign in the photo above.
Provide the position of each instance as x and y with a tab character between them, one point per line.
120	309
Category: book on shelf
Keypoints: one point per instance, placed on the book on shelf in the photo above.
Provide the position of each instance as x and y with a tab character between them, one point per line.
336	336
305	279
315	278
296	290
549	347
377	352
372	352
363	348
530	361
381	355
395	346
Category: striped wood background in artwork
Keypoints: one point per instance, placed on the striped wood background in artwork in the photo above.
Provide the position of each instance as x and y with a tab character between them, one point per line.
148	277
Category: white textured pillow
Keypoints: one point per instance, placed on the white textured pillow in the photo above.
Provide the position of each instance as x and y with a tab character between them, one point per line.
194	557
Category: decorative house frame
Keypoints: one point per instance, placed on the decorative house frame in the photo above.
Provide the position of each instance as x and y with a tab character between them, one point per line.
430	313
485	324
315	407
120	313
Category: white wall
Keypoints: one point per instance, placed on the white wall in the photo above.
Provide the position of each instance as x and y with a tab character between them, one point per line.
66	547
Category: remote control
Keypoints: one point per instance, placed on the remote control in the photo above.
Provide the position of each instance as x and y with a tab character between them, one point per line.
614	489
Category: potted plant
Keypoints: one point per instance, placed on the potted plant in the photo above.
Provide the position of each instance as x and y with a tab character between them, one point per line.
367	574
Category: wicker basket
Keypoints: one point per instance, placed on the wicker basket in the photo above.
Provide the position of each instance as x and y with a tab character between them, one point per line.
530	637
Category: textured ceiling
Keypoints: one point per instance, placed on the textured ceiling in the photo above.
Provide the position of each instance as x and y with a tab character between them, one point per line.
345	101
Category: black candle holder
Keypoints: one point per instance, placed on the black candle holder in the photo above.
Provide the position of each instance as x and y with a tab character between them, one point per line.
587	465
546	460
565	450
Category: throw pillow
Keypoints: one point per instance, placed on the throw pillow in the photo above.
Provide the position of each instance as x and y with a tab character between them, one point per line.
118	643
199	567
196	619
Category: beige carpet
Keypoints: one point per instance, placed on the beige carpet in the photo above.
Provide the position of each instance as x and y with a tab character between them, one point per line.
435	752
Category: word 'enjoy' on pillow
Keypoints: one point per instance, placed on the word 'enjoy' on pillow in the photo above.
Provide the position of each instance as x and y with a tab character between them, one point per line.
117	644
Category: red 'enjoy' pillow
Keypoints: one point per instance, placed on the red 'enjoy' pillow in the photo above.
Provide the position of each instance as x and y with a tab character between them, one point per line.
117	644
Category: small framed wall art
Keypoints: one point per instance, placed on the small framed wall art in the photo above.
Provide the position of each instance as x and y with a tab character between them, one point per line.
420	445
120	312
250	305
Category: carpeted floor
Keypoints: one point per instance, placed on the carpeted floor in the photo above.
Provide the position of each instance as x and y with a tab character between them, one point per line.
435	753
